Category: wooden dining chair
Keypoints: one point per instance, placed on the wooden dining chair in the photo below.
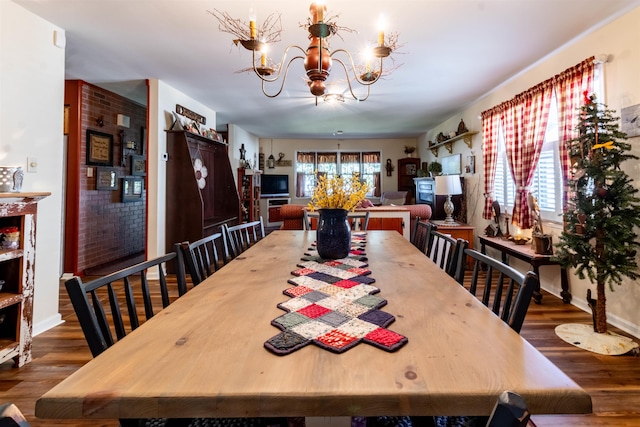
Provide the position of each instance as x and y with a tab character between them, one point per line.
458	260
203	257
510	410
358	220
123	291
308	225
440	248
242	236
506	291
11	416
115	297
421	234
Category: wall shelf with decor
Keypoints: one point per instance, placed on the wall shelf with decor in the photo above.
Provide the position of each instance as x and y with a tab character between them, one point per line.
467	137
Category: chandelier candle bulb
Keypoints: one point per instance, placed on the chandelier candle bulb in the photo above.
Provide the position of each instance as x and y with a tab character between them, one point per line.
263	59
381	25
252	24
320	8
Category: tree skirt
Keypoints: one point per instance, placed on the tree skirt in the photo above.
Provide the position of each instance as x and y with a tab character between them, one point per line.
586	338
333	306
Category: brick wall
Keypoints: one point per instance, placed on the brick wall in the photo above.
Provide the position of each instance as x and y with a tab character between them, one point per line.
109	228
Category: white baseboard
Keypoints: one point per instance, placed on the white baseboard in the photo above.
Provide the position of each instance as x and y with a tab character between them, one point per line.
47	324
612	319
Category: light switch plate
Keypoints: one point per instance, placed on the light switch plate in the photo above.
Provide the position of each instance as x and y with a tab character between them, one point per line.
32	164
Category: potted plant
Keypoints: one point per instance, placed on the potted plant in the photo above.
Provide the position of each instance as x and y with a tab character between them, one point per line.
435	168
408	150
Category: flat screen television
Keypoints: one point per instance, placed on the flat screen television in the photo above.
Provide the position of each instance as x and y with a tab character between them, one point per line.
274	185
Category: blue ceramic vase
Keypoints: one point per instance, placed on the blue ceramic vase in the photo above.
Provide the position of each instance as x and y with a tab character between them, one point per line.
333	235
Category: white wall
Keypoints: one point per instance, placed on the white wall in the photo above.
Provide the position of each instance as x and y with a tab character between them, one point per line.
237	137
31	120
389	149
619	39
162	102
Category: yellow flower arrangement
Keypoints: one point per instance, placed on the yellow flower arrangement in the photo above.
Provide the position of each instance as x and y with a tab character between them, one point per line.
338	193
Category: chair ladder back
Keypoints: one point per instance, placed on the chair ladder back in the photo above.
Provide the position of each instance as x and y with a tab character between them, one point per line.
441	248
95	327
421	234
131	307
488	285
202	258
522	300
458	261
242	236
508	294
306	218
89	304
358	220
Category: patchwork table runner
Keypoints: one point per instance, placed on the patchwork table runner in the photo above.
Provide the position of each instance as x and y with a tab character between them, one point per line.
333	306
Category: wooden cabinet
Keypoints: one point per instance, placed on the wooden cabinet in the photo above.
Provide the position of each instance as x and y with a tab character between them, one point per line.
426	192
201	189
425	189
407	170
396	224
17	267
272	207
249	191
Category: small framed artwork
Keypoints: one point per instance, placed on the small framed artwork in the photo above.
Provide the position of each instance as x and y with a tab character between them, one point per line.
138	165
99	148
471	165
106	179
132	189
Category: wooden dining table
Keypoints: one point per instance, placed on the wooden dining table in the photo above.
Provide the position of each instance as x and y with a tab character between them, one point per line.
204	355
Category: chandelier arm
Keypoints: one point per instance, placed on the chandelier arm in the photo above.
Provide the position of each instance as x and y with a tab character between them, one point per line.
338	60
284	78
353	68
281	65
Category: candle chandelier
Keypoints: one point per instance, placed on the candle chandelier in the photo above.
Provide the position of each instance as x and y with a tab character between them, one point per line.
317	58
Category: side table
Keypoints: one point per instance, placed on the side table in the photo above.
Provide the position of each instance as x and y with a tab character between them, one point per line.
525	253
462	231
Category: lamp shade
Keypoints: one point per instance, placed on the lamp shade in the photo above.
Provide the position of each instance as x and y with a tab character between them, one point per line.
448	185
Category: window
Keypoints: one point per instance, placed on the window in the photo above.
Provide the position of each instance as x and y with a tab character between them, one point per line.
366	164
546	185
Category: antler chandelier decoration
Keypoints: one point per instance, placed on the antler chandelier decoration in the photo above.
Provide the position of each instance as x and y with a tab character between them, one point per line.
317	57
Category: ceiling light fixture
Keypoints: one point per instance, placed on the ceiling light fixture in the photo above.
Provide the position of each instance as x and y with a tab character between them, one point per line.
317	57
333	97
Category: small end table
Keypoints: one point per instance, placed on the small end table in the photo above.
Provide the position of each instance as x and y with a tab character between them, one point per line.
525	253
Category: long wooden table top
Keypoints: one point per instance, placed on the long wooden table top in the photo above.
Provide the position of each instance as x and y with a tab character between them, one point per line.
203	356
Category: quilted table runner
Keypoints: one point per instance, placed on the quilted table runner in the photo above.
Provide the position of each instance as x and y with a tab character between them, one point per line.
333	305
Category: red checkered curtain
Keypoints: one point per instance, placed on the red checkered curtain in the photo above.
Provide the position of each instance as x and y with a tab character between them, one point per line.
570	86
525	125
490	123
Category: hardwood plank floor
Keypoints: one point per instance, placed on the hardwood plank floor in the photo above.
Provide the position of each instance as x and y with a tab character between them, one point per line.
612	381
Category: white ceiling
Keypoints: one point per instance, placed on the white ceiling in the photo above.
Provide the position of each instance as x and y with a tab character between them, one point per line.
452	52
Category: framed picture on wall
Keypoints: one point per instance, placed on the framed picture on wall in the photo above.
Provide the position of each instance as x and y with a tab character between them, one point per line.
99	148
132	189
451	165
138	165
106	179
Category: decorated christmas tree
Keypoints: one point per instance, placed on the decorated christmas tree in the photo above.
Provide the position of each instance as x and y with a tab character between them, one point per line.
599	239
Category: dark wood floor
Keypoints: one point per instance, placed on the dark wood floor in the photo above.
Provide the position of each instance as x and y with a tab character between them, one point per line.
612	381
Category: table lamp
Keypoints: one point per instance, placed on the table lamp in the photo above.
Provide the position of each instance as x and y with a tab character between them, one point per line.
448	185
